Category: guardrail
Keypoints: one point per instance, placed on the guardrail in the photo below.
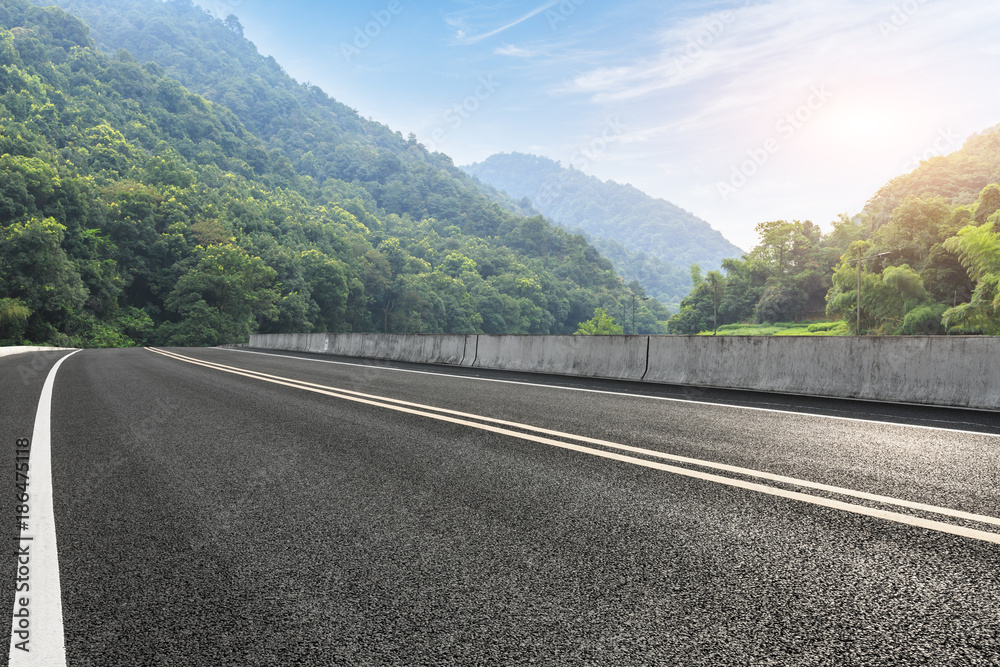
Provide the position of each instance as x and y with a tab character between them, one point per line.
955	371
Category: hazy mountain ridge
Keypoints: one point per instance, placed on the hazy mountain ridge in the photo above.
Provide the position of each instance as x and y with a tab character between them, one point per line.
671	238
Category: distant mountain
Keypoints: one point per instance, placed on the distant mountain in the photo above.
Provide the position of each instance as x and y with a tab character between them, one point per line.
653	236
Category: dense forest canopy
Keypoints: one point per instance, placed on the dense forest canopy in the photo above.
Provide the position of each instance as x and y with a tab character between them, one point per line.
929	256
647	239
188	192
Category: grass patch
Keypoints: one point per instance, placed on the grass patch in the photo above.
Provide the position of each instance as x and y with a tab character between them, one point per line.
784	329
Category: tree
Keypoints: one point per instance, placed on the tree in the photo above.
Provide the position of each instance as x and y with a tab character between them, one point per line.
233	25
886	300
988	203
981	314
36	271
717	283
140	172
327	281
916	225
776	239
695	275
780	302
601	324
221	298
978	250
13	316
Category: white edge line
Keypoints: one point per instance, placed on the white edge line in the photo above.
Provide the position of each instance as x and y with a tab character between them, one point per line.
46	641
895	517
618	393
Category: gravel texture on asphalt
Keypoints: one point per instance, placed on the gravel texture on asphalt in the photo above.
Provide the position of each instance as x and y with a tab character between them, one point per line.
206	518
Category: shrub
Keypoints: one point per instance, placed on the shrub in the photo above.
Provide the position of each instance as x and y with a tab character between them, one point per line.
924	320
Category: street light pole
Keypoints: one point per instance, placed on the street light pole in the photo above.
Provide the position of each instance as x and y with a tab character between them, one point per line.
643	298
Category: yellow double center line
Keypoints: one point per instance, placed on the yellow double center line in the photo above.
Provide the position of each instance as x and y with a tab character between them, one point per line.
537	434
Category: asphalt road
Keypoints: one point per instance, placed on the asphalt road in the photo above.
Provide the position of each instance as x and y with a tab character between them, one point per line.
211	515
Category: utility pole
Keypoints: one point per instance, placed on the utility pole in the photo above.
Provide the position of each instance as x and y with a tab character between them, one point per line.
858	298
715	304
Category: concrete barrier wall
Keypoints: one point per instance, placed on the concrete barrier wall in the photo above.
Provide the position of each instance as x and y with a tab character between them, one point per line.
959	371
618	357
421	349
346	345
8	351
424	349
316	343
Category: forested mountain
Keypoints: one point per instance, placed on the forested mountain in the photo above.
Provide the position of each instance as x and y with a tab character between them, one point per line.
959	177
930	258
650	240
321	137
133	210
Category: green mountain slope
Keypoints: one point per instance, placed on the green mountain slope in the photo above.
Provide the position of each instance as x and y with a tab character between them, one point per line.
931	259
958	177
321	137
669	238
134	211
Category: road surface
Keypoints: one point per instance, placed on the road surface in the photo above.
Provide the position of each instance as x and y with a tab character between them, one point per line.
230	507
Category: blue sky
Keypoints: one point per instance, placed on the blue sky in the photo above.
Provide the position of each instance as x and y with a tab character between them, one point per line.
740	111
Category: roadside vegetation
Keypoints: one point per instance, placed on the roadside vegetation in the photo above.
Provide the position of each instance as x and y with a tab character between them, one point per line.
929	254
840	328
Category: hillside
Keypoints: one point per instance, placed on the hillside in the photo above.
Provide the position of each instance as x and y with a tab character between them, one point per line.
134	211
320	137
669	238
933	259
958	177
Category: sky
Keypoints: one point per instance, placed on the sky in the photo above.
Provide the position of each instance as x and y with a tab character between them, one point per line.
740	111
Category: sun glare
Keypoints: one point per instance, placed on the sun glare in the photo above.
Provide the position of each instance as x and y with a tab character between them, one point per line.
856	123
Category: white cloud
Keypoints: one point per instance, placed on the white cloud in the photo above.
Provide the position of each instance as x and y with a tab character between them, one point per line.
518	51
463	38
706	90
763	47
